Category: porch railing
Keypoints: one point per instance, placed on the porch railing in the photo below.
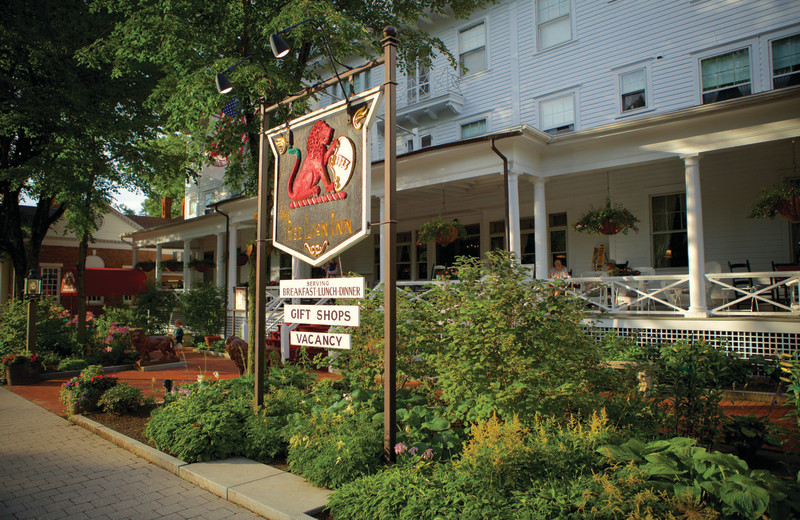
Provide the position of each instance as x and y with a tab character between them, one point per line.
727	294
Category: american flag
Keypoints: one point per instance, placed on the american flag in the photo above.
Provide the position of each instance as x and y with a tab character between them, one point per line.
231	112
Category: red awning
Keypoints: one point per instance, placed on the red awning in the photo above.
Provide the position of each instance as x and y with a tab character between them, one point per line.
106	282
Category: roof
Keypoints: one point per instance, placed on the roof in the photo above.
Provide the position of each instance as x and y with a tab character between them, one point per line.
148	222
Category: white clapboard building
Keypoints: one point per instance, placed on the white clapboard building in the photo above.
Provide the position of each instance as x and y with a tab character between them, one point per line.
680	111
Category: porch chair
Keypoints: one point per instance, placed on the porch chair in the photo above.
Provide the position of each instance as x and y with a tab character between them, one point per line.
782	294
745	284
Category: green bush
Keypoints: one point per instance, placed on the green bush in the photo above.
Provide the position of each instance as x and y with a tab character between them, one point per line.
723	481
83	391
204	309
52	332
203	421
689	380
507	345
70	364
332	448
153	309
263	436
121	399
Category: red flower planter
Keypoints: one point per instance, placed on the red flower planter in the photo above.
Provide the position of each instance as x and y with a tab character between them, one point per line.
789	209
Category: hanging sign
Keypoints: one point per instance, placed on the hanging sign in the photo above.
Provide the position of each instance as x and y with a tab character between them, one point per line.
322	173
321	340
349	287
340	315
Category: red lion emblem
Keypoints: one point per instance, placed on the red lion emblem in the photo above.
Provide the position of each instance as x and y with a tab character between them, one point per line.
303	181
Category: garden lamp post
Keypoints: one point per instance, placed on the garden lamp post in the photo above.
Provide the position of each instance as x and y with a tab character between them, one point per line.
33	288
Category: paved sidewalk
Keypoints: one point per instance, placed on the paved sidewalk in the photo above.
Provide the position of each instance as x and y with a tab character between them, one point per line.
50	468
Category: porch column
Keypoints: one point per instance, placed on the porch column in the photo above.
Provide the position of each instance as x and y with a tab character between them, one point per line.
135	254
300	269
694	235
219	259
514	240
233	238
540	229
382	240
187	256
158	265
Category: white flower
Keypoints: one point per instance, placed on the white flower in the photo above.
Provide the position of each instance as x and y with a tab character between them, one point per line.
200	378
216	374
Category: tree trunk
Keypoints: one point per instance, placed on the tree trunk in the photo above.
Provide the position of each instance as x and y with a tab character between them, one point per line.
80	283
251	316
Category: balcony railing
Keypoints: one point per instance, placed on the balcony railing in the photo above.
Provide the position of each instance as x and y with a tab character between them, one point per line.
430	98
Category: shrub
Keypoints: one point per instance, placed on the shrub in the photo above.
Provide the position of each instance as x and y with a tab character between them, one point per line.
121	399
689	381
84	391
51	333
507	345
70	364
496	456
204	421
263	436
724	482
153	309
204	309
332	448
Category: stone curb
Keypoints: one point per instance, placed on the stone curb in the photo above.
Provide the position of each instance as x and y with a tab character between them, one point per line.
75	373
223	478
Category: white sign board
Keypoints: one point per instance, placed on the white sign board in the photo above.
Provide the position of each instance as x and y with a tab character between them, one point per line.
321	340
340	315
352	287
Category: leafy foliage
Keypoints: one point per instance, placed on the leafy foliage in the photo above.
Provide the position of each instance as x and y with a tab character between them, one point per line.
333	448
610	219
263	434
777	200
122	398
83	391
680	467
204	308
153	309
51	333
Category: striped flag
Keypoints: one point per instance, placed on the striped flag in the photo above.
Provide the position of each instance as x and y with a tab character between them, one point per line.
231	114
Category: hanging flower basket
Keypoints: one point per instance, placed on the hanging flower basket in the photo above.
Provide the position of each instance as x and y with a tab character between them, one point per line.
202	265
146	265
608	220
241	259
441	231
171	265
783	199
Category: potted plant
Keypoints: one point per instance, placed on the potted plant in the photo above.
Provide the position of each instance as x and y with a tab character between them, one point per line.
202	264
22	369
440	231
145	265
782	199
607	220
171	265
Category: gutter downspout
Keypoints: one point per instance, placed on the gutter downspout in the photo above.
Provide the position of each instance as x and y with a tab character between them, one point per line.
505	192
227	259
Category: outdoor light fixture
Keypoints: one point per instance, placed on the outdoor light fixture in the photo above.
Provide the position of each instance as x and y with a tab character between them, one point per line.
281	49
33	284
223	85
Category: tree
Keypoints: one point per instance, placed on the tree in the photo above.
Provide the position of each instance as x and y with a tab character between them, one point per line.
191	40
69	135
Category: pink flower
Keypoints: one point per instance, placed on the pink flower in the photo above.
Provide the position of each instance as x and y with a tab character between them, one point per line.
400	448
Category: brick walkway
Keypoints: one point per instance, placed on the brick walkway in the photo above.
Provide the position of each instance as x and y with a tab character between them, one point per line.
50	468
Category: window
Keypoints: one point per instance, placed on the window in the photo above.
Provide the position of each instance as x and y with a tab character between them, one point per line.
670	247
528	242
786	62
470	246
472	48
51	281
473	129
554	25
422	261
426	141
632	87
404	256
726	76
558	115
361	81
418	84
558	238
497	235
